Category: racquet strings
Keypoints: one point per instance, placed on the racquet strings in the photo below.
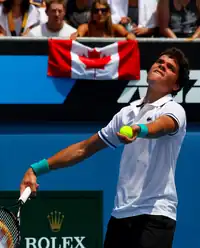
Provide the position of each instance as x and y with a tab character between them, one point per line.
9	230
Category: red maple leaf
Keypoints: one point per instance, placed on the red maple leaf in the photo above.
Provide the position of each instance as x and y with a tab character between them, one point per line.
94	60
94	54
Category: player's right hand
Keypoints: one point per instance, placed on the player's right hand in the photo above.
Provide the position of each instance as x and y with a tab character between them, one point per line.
125	139
30	180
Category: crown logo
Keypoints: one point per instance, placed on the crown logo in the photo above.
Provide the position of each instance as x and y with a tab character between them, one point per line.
55	220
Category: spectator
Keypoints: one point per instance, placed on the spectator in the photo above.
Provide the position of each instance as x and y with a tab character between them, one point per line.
41	5
100	23
17	17
141	18
55	26
147	20
78	12
119	9
132	17
133	11
179	18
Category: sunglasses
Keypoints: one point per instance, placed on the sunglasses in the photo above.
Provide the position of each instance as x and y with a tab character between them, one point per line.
103	10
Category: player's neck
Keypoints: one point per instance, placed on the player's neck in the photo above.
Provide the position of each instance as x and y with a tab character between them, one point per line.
152	96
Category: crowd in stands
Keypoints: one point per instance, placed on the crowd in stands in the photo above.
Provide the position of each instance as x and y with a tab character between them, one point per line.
100	18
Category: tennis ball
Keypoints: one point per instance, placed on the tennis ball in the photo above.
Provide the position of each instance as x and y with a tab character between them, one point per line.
127	131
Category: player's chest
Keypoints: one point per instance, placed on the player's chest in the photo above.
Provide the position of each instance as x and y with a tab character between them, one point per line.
146	114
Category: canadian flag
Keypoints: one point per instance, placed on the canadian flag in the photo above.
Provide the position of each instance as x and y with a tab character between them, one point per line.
71	59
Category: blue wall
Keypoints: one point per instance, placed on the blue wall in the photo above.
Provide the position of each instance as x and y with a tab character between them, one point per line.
31	85
22	145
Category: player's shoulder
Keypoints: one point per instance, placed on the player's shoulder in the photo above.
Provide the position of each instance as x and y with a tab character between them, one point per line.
175	104
175	108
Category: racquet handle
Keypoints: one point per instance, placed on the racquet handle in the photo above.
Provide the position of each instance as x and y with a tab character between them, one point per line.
25	195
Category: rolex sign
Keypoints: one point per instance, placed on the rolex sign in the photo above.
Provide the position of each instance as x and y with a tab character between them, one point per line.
60	219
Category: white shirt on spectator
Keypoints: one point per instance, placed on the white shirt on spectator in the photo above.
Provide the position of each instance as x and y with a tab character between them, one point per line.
33	18
147	13
119	9
43	31
43	15
146	183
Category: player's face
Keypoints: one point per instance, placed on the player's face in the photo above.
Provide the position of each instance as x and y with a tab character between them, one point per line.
163	75
101	13
56	13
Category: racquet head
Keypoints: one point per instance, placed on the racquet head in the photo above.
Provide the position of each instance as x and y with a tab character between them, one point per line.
10	223
9	229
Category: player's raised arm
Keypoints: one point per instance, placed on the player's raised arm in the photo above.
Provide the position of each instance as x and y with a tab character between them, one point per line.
162	126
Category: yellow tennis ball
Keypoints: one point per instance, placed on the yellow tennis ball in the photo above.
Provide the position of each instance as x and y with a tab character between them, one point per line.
127	131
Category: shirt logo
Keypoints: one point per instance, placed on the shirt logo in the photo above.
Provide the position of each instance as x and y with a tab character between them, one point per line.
149	119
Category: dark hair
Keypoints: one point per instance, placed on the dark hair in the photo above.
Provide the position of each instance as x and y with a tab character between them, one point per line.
108	24
7	6
49	2
182	61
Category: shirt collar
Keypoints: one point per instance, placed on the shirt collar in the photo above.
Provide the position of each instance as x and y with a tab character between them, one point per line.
157	103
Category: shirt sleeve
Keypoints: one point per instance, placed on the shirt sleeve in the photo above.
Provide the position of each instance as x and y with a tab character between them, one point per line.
108	133
42	15
147	13
177	112
119	9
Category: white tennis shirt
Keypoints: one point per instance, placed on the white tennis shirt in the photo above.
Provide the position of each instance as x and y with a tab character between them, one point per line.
146	183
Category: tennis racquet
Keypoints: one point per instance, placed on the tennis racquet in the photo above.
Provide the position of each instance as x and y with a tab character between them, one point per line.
10	222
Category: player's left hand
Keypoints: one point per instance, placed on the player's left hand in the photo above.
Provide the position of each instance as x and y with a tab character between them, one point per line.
126	140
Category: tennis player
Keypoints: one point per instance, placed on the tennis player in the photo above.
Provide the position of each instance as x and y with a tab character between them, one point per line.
144	213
